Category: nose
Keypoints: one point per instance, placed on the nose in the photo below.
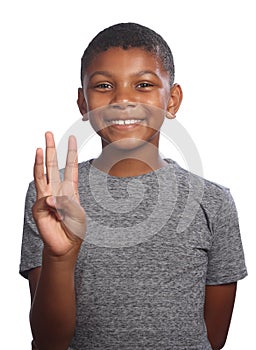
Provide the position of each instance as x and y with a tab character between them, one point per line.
123	105
123	98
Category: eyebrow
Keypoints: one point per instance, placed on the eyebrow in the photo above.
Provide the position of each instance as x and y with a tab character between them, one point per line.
144	72
100	72
108	74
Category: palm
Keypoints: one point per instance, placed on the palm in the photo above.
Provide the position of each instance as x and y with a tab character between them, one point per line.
58	214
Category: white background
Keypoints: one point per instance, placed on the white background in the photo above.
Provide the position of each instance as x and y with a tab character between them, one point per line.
213	43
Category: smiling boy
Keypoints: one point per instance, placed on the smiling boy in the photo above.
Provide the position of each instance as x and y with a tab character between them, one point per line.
128	81
134	280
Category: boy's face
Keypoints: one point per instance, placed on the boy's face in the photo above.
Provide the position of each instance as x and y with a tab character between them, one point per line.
126	95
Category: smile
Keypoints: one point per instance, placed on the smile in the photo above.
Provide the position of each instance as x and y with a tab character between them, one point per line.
125	122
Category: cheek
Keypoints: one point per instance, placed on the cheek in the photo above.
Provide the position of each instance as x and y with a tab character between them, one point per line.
164	98
96	100
159	99
94	103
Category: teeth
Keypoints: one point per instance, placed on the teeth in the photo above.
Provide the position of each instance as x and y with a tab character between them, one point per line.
125	122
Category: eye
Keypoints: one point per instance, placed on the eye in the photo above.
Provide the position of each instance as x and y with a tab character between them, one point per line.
103	86
144	85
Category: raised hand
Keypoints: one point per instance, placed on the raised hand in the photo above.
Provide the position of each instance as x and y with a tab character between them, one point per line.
57	212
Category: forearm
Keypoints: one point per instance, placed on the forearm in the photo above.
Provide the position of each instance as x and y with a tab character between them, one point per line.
219	302
53	310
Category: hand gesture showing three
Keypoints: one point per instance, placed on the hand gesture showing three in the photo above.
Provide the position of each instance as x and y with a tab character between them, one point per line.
57	212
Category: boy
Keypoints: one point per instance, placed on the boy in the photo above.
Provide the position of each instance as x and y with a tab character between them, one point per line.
135	280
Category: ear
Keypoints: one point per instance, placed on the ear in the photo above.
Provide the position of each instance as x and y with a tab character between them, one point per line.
176	96
82	104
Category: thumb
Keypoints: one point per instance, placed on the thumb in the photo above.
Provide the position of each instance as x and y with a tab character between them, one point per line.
43	206
67	206
51	201
72	215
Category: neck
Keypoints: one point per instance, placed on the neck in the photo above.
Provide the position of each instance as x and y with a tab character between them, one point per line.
123	163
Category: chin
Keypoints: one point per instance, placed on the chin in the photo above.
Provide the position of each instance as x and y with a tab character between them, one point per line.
126	145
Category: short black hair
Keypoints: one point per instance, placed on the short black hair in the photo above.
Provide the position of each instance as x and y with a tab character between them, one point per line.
129	35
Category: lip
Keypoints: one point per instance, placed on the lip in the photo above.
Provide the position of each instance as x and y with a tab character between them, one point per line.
127	126
123	112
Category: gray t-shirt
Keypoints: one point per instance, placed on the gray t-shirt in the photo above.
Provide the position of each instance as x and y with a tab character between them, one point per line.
152	244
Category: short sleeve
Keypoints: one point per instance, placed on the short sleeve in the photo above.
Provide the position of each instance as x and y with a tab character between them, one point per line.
226	261
32	245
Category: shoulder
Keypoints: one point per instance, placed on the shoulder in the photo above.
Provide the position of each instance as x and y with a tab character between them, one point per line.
185	176
84	169
211	196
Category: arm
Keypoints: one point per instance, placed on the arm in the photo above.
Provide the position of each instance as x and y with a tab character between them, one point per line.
61	224
53	310
219	303
33	277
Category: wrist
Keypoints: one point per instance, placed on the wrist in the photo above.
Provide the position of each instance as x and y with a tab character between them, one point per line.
67	259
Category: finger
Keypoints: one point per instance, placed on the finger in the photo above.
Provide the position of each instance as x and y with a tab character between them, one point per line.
72	214
52	170
39	176
51	202
71	169
39	207
43	206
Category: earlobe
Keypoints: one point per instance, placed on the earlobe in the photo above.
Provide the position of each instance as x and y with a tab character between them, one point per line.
85	118
82	105
170	115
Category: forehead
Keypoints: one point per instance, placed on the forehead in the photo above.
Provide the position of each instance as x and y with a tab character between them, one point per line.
120	61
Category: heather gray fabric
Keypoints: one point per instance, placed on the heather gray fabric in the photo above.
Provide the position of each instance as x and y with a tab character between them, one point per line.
153	242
